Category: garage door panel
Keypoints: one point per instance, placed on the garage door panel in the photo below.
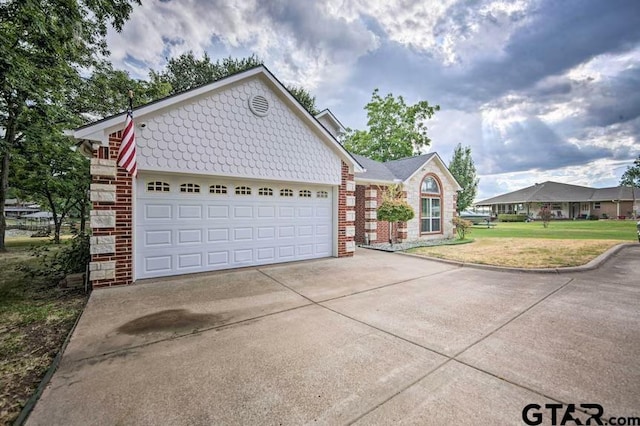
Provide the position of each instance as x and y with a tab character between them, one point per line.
157	211
183	233
218	235
189	212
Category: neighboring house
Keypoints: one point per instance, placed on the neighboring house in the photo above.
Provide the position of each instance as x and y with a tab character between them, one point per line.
429	188
234	173
566	201
16	208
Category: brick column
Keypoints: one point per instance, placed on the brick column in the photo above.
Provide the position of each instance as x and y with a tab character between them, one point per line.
111	219
346	213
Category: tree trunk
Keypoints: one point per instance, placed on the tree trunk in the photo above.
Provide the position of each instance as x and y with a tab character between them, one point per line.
4	185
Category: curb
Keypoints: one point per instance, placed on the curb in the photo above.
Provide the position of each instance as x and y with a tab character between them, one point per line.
593	264
31	402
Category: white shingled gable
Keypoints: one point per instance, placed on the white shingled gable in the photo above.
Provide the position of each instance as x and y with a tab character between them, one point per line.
218	133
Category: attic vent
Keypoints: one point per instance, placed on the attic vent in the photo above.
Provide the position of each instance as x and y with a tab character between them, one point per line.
259	105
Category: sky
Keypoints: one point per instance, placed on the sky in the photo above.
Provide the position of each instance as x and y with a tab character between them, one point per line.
540	90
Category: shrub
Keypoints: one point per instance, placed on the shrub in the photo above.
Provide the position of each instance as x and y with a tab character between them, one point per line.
545	215
393	208
462	226
593	217
70	259
512	217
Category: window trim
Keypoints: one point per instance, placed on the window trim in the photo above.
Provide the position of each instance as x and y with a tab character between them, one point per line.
242	190
305	193
218	189
431	195
265	191
286	192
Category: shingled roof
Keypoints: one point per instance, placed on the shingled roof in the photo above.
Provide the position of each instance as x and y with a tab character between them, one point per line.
561	192
389	171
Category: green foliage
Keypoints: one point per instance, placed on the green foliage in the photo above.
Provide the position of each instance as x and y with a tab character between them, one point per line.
395	211
396	130
463	226
545	215
512	217
72	258
631	176
187	72
42	47
47	170
464	170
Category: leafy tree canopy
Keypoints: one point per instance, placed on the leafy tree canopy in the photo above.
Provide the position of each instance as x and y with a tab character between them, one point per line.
186	72
631	177
43	45
395	129
464	170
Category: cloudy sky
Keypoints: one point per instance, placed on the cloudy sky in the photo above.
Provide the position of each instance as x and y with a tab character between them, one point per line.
540	90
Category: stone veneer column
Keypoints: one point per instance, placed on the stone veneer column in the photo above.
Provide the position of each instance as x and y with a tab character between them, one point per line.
111	219
346	213
370	213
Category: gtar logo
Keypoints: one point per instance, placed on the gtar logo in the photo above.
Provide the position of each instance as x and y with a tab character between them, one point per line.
534	414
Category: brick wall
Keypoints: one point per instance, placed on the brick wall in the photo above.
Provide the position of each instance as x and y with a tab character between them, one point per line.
360	214
111	219
346	213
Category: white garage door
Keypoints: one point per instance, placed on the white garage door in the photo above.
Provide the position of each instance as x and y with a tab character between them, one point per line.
186	225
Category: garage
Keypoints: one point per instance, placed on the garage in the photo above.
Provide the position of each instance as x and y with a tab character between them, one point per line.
187	224
231	174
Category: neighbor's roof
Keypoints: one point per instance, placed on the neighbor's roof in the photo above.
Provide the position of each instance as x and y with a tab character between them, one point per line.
560	192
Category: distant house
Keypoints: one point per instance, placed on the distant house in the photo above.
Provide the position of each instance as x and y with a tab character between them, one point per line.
17	208
566	201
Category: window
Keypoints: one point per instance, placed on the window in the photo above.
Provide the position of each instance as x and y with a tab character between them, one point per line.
322	194
596	205
217	189
243	190
157	186
265	191
286	192
430	206
305	193
190	188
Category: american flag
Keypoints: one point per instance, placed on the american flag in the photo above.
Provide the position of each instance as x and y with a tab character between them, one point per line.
127	152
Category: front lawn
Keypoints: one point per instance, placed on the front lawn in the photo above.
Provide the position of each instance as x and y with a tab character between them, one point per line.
623	230
531	245
35	318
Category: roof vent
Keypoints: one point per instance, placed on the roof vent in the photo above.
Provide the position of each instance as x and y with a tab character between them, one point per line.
259	105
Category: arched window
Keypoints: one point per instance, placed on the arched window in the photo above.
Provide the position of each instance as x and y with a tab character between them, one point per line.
304	193
243	190
192	188
286	192
430	206
268	192
322	194
217	189
157	186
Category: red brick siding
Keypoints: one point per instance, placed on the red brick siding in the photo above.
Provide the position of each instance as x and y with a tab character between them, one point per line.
124	217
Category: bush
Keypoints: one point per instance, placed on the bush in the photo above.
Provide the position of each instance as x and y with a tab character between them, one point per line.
512	217
593	217
72	258
463	226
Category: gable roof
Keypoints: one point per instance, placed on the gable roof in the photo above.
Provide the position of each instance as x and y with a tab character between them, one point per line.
327	112
560	192
99	131
398	170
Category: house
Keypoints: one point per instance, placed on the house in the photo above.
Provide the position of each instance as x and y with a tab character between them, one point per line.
16	208
231	174
428	186
566	201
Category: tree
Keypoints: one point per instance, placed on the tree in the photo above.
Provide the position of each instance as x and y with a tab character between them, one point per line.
42	47
396	130
545	215
48	170
464	170
187	72
631	177
394	208
463	226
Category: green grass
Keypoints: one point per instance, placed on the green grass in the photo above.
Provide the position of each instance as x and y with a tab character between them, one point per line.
623	230
35	317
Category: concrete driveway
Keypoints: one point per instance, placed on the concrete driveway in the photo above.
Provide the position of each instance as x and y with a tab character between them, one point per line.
377	339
